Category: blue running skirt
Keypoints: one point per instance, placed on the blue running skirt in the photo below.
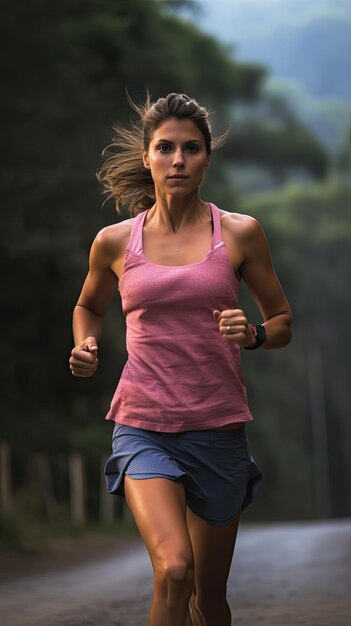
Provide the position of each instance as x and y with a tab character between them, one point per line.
216	467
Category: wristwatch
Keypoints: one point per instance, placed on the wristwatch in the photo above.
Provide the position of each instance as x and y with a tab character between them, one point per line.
260	336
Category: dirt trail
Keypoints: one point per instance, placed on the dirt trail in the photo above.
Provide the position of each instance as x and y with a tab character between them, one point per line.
283	574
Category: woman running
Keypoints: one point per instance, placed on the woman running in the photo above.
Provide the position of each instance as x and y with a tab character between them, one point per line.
180	451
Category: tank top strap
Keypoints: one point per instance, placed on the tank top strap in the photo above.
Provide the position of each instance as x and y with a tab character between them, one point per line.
135	243
217	239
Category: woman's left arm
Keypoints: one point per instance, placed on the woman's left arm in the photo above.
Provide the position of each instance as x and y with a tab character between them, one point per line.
258	273
245	234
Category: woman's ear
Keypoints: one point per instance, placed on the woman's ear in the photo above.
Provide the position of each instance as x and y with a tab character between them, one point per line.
208	162
145	158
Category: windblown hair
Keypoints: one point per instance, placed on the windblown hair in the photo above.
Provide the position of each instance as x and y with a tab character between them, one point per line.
123	174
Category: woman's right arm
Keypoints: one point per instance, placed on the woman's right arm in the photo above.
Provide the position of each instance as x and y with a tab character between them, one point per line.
89	312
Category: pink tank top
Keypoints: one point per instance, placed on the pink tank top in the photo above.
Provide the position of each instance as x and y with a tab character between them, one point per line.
180	373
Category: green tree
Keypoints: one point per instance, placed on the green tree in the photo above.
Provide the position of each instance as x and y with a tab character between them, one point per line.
310	237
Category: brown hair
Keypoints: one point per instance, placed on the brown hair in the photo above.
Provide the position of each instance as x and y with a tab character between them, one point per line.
123	174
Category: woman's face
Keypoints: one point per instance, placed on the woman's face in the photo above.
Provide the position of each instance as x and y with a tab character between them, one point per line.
177	157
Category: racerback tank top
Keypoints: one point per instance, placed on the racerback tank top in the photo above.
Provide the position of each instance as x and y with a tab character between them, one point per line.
180	373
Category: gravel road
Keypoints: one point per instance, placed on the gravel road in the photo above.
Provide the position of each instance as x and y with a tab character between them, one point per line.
283	574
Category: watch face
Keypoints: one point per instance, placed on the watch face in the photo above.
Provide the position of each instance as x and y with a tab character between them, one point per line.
261	333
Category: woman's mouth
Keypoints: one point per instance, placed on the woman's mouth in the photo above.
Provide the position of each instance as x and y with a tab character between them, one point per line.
178	177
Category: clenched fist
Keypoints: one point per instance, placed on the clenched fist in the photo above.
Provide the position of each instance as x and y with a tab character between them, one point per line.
84	361
233	326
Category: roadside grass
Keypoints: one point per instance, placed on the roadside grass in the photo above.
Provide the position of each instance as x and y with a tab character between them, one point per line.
34	537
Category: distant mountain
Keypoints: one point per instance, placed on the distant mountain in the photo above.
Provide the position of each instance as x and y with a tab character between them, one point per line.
328	118
306	46
309	41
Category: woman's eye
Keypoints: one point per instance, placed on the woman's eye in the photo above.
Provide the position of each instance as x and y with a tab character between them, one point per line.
163	147
166	148
192	149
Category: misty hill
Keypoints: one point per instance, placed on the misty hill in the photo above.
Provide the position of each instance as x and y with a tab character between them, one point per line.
306	41
328	118
306	47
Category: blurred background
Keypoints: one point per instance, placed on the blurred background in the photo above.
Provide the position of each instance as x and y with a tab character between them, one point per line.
279	73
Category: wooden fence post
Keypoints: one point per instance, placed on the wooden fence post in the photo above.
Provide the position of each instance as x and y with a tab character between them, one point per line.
5	477
77	481
41	485
107	501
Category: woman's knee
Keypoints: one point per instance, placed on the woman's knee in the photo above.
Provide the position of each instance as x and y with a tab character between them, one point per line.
175	569
179	571
174	576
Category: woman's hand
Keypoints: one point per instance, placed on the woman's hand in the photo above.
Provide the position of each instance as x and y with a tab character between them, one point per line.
84	361
233	326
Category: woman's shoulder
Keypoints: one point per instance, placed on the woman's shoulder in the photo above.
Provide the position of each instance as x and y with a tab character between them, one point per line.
111	241
239	224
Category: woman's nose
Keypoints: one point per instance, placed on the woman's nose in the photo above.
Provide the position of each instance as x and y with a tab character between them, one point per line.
178	160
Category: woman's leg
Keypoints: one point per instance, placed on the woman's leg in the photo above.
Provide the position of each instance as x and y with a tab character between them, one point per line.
213	548
158	507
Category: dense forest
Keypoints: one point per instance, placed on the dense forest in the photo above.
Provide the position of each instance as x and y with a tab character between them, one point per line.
66	68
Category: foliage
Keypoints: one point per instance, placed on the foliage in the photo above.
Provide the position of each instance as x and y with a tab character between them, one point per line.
328	118
277	148
310	236
343	160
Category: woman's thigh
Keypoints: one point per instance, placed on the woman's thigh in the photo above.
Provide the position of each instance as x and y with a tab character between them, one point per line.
159	509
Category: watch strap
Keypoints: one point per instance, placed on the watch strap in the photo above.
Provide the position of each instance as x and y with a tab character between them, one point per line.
260	336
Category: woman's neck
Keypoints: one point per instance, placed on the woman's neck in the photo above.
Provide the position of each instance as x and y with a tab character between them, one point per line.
174	214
